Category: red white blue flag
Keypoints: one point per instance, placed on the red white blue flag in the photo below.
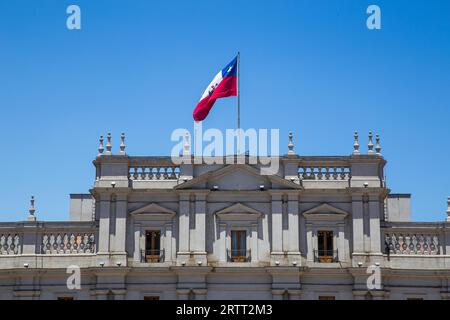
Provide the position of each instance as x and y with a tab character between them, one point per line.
223	85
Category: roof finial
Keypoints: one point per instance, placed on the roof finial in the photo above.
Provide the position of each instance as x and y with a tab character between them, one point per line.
291	144
186	146
356	144
32	210
108	144
100	146
122	144
370	144
377	145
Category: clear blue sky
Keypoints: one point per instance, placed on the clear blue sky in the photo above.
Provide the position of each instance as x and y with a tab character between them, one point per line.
141	66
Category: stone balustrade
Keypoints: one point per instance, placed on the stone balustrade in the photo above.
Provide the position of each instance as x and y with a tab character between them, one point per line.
412	243
324	173
68	243
9	243
153	172
47	238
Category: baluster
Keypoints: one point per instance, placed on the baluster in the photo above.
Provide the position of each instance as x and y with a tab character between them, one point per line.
158	173
53	243
84	243
319	175
414	244
435	245
9	242
335	173
165	175
327	173
71	244
2	244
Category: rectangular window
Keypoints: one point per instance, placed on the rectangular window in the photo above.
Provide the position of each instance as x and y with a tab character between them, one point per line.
153	246
325	250
238	246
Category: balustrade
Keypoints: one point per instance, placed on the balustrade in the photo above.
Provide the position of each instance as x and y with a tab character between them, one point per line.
68	243
413	244
9	244
324	173
154	173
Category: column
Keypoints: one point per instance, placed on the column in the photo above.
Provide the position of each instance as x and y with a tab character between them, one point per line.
137	242
293	238
103	234
341	243
121	223
277	224
198	243
374	215
358	224
222	242
168	242
183	224
309	243
254	242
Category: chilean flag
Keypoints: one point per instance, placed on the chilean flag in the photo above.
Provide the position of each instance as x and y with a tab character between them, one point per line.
223	85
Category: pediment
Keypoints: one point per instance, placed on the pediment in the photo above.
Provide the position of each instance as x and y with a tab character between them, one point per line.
325	211
238	211
237	177
154	210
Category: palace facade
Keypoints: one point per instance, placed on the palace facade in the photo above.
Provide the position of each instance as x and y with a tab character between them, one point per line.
322	227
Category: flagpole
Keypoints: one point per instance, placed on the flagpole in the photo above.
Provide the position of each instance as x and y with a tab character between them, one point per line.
239	101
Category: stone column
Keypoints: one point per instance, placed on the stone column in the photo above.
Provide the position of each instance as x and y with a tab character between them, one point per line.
198	243
137	242
293	238
222	242
254	242
277	224
358	224
341	243
121	224
168	242
309	243
374	215
103	234
183	227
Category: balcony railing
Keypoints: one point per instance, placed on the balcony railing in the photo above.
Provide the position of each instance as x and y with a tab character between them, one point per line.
152	256
326	256
238	255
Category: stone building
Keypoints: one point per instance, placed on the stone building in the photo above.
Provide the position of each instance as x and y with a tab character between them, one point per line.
323	227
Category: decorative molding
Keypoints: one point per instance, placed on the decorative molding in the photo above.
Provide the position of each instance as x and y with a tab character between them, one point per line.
238	211
154	210
325	211
227	169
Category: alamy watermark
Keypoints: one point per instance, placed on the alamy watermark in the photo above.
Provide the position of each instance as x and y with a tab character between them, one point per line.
74	280
235	146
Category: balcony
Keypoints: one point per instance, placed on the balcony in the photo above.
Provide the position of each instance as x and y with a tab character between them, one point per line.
326	256
152	256
238	255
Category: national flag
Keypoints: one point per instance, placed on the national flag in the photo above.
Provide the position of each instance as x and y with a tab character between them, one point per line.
223	85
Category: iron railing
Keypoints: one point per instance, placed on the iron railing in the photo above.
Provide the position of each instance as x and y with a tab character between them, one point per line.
326	256
239	255
152	256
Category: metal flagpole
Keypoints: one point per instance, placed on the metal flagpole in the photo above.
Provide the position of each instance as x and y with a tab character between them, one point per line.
239	102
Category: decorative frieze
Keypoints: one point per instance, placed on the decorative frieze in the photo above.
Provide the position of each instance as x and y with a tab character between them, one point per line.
412	244
68	243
